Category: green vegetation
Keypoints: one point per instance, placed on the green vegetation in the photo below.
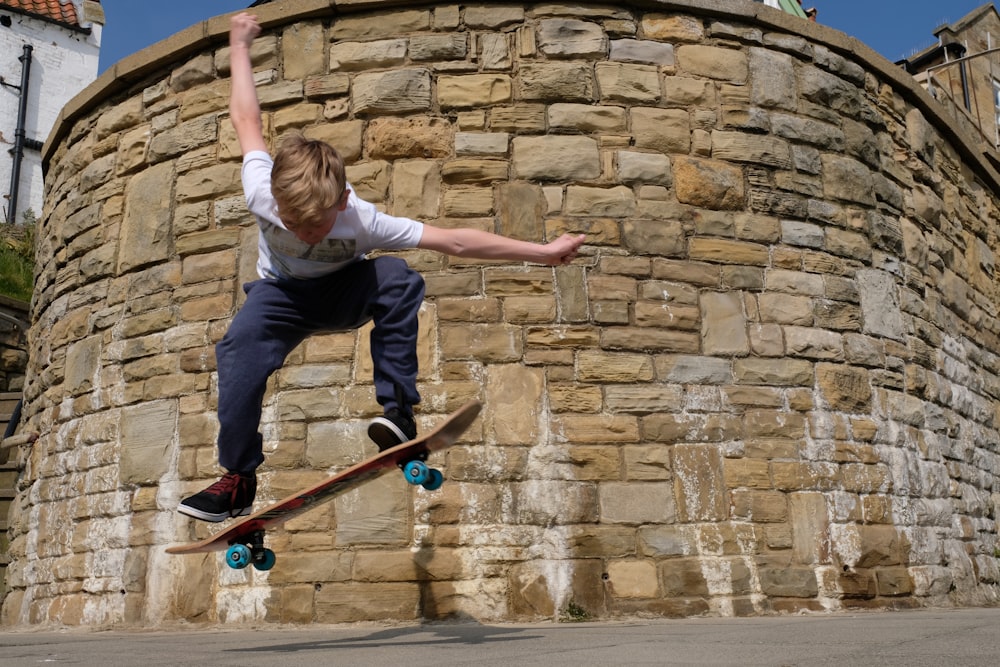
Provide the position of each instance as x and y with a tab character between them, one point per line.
17	258
574	613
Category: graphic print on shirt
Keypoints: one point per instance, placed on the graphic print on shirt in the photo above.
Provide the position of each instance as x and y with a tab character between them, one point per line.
284	244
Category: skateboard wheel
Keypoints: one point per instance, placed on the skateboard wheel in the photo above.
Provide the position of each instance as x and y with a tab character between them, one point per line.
416	472
238	556
434	480
265	560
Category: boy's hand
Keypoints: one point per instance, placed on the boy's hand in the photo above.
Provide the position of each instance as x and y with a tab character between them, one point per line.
243	28
564	249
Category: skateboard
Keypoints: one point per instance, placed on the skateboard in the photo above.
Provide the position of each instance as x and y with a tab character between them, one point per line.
244	541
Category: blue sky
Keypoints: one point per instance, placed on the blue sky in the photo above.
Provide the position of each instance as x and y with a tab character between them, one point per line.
894	28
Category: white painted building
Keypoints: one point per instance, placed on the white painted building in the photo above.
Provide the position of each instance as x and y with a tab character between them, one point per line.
52	46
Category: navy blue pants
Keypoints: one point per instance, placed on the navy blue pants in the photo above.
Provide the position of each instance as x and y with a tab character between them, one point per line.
280	314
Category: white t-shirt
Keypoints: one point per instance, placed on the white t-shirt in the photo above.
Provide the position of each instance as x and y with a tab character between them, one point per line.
359	229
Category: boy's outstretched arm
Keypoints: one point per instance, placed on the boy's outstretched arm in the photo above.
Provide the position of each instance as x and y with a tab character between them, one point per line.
477	244
244	107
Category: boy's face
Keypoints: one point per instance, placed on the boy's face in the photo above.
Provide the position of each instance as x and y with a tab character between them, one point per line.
314	233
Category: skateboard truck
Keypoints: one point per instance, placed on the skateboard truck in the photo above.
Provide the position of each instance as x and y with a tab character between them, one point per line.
419	473
250	550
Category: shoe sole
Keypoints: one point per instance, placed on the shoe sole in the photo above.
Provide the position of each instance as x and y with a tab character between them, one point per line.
385	434
196	513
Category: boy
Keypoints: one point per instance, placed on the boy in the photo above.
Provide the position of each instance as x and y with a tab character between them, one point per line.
315	276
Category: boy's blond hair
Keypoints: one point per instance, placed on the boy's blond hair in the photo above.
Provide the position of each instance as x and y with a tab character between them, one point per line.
307	180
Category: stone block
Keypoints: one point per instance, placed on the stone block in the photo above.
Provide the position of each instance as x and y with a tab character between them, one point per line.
613	202
551	502
481	341
628	83
571	38
610	367
713	62
780	581
416	186
555	81
521	389
894	582
375	513
637	503
402	566
354	602
558	158
393	91
723	324
683	578
699	484
672	28
665	130
773	372
759	506
633	579
601	541
394	138
473	90
147	441
147	217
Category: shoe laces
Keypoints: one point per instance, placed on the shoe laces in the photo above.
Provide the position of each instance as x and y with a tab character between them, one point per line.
229	484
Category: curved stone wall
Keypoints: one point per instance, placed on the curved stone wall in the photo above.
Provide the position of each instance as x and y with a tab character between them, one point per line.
769	385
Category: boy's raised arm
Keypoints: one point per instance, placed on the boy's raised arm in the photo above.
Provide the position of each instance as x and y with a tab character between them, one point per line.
244	107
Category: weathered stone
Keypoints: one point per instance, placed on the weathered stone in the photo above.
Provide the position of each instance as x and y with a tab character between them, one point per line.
185	137
622	82
145	226
739	147
361	56
642	51
708	183
634	167
723	324
571	38
772	79
672	28
713	62
846	178
145	452
438	47
562	82
394	138
472	90
394	91
698	485
879	304
417	190
664	130
587	118
556	158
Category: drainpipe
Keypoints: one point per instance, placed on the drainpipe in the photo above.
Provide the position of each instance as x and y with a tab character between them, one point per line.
19	141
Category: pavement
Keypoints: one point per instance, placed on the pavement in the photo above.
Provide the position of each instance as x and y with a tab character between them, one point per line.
932	638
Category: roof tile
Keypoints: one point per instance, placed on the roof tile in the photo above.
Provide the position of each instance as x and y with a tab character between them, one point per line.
62	11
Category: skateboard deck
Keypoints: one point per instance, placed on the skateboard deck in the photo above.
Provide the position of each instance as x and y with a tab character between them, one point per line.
244	540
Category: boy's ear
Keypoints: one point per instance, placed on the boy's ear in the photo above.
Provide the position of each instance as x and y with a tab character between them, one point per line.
342	204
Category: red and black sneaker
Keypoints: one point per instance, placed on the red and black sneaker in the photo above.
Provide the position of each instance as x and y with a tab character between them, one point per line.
231	496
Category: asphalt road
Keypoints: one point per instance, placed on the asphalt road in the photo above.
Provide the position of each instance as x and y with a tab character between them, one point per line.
932	638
